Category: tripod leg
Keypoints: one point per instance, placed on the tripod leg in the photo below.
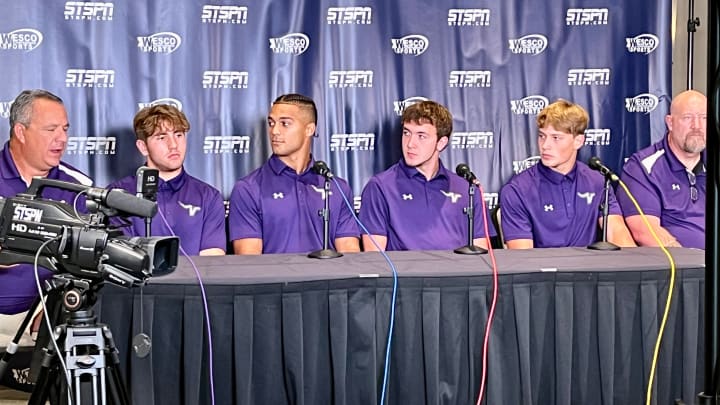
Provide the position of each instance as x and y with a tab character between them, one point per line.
116	385
47	374
11	349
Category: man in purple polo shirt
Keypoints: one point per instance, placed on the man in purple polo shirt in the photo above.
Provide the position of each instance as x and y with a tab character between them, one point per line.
187	207
556	202
417	204
38	136
668	179
275	208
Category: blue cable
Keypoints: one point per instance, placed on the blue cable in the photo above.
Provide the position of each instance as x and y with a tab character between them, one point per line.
386	372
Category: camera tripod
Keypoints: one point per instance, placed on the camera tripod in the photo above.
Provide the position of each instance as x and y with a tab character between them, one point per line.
89	352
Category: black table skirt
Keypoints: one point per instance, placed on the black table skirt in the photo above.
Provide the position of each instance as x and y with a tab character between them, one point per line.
579	336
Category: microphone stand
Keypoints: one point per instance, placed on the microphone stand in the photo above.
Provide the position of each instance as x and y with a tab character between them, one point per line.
470	248
604	244
325	252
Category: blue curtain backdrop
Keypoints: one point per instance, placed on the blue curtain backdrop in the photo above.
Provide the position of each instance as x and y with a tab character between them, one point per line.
493	64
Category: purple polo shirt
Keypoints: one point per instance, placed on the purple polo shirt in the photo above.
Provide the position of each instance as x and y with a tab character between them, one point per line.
18	282
419	214
552	209
660	183
281	207
193	209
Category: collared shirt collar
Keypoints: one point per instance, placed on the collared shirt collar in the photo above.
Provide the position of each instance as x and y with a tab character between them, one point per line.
412	172
278	166
176	183
675	163
556	177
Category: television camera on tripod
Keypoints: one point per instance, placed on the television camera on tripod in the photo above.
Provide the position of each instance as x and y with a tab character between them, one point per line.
83	253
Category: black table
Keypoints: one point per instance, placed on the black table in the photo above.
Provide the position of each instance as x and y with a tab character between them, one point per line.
573	326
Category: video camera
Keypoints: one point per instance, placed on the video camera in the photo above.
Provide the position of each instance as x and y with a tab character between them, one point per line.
83	245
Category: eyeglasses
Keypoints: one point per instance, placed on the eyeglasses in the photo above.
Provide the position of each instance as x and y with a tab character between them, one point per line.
693	186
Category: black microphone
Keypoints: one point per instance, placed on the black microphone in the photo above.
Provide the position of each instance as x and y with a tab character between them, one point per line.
147	182
463	170
123	201
322	169
596	164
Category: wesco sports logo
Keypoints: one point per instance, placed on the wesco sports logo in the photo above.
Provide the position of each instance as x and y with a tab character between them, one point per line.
471	140
643	43
293	44
533	44
470	78
410	45
167	100
520	166
586	16
349	15
161	42
460	17
226	144
5	109
89	78
352	142
588	77
400	106
90	145
350	78
491	200
225	79
530	105
597	137
224	14
88	10
24	39
642	103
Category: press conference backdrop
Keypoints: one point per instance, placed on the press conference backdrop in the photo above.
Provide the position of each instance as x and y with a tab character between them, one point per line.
494	64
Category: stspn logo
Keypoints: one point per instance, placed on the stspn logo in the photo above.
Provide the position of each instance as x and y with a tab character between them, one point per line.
89	78
226	144
470	78
520	166
468	17
28	214
400	106
586	16
530	105
24	39
224	14
167	100
161	42
643	43
588	77
642	103
533	44
597	136
293	44
491	200
91	145
349	15
471	140
225	79
410	45
352	142
350	78
5	109
88	10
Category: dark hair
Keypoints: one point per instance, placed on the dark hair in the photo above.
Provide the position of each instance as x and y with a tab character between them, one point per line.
430	112
21	108
304	102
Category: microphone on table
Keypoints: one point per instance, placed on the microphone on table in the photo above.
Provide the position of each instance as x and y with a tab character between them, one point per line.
463	170
609	175
323	170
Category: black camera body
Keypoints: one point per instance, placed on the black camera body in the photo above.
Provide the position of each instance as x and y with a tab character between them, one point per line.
83	245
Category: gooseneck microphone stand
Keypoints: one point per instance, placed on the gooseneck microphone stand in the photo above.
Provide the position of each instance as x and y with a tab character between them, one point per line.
604	244
325	253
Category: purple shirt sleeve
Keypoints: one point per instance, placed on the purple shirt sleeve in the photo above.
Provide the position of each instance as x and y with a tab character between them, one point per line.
374	209
245	219
635	178
514	218
346	226
213	232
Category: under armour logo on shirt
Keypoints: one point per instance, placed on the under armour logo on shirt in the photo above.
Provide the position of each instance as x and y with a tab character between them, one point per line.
192	210
453	196
675	186
588	196
278	195
549	207
407	196
321	191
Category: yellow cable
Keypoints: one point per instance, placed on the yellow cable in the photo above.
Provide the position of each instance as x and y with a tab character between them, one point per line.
671	288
